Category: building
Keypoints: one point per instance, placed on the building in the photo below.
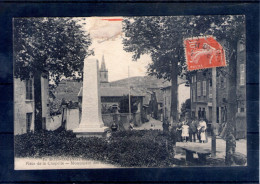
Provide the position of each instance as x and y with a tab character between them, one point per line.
183	95
24	105
201	93
103	72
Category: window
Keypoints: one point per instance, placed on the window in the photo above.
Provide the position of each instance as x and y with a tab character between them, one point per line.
204	88
194	95
210	89
28	89
242	74
28	121
194	78
198	88
242	109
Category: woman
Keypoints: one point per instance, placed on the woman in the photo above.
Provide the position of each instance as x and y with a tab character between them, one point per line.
203	126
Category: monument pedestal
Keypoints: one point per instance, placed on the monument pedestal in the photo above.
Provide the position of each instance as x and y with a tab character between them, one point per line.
91	123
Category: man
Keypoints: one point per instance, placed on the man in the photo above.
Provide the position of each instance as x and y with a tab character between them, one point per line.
166	125
193	129
199	113
114	127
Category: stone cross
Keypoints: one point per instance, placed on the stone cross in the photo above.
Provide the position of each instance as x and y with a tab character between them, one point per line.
91	123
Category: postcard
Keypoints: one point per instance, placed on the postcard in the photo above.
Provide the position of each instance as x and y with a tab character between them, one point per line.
129	92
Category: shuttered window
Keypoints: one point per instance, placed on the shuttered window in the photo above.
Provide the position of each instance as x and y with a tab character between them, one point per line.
204	88
198	89
29	89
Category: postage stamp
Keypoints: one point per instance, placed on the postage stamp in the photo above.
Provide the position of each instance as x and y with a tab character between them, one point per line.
204	52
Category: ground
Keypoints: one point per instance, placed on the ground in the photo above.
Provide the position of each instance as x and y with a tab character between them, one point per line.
25	163
220	143
156	125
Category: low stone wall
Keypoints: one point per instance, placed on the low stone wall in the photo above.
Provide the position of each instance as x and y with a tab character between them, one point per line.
122	119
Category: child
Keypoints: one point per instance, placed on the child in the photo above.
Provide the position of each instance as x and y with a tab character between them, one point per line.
185	131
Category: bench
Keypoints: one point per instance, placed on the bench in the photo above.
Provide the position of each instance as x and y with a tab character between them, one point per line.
201	152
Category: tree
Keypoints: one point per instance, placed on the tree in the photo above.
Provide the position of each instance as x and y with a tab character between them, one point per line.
162	39
232	30
185	107
48	47
229	30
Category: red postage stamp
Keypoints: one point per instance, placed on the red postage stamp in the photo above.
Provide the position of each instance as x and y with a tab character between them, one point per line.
204	52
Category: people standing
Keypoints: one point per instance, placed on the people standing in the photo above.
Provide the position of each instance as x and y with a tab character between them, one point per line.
114	127
185	132
200	113
166	125
193	130
179	130
203	129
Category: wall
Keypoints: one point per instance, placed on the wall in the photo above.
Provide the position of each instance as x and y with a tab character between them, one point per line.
73	120
183	94
21	107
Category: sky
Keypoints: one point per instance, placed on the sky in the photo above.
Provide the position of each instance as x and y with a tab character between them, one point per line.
107	39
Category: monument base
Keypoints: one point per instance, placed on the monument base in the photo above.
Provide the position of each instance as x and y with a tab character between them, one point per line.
91	132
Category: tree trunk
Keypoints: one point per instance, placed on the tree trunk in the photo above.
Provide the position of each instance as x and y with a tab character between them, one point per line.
38	102
174	90
232	108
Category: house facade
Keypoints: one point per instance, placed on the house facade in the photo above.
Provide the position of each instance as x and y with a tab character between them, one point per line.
183	94
24	105
201	93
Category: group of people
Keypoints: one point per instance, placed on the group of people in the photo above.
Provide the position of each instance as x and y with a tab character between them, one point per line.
190	129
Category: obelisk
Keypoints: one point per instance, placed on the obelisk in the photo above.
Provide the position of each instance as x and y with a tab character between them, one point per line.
91	123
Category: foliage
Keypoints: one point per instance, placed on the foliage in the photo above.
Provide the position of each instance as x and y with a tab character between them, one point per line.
185	107
146	148
55	45
161	38
48	47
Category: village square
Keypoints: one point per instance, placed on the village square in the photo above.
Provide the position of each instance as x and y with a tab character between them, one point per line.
89	104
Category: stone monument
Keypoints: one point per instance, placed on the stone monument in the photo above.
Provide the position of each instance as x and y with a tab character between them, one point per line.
91	123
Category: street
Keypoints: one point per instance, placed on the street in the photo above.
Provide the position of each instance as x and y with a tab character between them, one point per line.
241	145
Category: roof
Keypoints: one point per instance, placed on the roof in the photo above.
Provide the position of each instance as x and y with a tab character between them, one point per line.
115	92
180	81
